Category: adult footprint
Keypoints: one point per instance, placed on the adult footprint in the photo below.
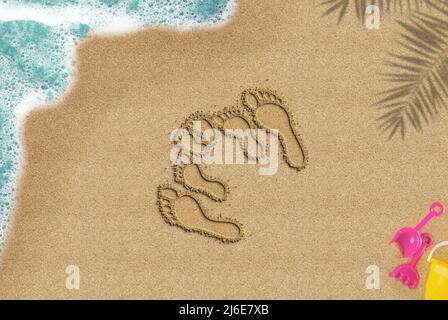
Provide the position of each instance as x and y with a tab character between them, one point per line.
201	121
269	112
185	211
193	178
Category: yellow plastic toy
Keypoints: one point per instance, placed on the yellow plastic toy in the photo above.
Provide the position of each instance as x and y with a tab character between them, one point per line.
437	281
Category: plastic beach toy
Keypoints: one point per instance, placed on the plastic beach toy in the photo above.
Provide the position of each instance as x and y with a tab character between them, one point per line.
437	280
410	239
407	272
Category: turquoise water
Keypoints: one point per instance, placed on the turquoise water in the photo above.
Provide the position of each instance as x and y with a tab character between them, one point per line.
37	44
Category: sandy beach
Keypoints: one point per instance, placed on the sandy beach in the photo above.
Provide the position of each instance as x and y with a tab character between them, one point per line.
93	163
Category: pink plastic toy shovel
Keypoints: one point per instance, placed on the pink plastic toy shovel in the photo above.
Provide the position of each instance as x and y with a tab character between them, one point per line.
407	272
410	239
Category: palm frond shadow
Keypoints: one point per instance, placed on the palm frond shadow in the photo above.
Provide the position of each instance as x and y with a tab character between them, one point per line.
419	75
342	7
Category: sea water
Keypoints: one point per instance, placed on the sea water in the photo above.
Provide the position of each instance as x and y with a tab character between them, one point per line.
38	39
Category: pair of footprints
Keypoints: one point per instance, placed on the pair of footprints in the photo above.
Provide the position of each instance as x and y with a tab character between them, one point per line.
259	108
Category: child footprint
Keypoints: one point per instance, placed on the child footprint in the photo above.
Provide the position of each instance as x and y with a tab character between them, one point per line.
200	118
237	118
184	210
269	112
193	178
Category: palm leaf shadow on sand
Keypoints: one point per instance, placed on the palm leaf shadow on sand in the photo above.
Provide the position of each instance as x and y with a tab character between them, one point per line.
342	7
419	76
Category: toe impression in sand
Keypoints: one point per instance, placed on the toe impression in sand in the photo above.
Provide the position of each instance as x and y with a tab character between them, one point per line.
185	211
269	112
204	122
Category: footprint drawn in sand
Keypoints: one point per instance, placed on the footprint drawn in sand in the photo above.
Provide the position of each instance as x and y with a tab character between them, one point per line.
269	112
205	121
261	109
192	176
237	118
184	210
